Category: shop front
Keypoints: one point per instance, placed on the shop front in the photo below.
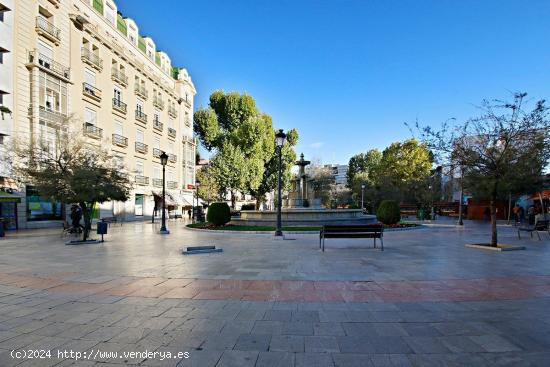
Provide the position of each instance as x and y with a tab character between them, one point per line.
8	210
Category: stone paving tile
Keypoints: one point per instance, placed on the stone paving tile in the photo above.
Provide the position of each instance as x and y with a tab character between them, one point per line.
238	358
494	343
355	344
328	328
278	315
351	360
256	342
321	344
287	343
297	328
460	344
275	359
314	360
221	341
391	360
426	345
201	359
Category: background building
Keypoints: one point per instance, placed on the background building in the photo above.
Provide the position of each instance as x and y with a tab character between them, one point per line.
82	61
339	173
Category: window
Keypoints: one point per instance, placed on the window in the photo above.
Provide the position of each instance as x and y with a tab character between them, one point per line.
90	117
139	105
187	120
157	142
139	136
170	175
110	14
138	205
139	168
39	208
170	148
45	49
89	77
157	172
119	128
118	94
52	93
156	116
171	123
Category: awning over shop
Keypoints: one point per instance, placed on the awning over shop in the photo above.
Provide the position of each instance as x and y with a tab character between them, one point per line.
6	197
169	198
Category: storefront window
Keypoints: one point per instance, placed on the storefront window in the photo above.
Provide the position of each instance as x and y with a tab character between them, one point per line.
39	208
139	204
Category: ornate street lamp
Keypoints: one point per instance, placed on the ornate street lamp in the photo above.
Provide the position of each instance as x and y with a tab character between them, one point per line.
280	137
196	211
362	196
460	208
163	160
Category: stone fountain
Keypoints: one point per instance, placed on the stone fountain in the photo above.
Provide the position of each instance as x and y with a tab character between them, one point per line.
303	208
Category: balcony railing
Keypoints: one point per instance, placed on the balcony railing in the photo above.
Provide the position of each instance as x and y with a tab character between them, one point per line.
172	112
119	76
48	30
49	116
119	105
141	117
45	62
92	131
141	147
120	140
171	132
157	152
142	180
91	91
157	182
91	59
187	102
171	185
172	158
141	91
158	125
158	102
55	3
187	139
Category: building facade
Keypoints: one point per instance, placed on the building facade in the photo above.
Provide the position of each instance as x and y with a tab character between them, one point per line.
81	62
339	172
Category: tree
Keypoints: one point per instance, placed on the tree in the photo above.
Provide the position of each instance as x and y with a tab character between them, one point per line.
323	184
208	189
505	148
243	141
69	169
364	163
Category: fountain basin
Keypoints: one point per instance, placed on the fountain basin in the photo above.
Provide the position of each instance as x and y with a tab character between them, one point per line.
304	217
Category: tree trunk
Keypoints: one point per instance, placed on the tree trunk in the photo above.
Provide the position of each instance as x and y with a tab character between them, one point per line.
233	200
87	221
493	207
258	203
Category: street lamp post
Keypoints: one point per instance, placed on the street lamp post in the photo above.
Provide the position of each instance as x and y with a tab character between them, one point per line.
362	196
460	207
280	137
163	161
197	184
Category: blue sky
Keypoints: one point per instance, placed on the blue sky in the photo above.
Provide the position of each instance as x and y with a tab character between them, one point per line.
348	74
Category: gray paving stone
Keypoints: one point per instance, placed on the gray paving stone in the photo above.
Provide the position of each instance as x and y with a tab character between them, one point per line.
287	343
390	345
426	345
391	360
321	344
220	341
278	315
328	328
238	358
105	333
355	344
494	343
305	316
257	342
314	360
199	358
351	360
460	344
419	329
275	359
297	328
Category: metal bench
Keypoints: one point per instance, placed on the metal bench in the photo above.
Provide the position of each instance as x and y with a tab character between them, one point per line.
351	231
541	225
110	220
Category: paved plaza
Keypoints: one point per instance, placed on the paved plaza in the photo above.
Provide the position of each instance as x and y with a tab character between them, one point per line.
425	301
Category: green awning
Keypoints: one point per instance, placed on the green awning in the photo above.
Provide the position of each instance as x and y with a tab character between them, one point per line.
6	197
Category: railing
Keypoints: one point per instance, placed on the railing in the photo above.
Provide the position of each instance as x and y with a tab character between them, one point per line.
157	152
157	182
118	75
45	62
158	125
120	140
91	58
93	131
119	105
187	102
171	185
141	147
142	180
55	3
141	91
172	112
48	29
172	132
187	139
140	116
51	116
158	102
172	157
91	91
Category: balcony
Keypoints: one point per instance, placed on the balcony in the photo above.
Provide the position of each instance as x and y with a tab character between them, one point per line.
141	147
119	106
55	3
171	132
172	158
119	76
142	180
120	140
157	125
187	139
187	102
172	185
158	102
140	91
141	117
157	182
172	112
91	91
48	30
91	59
93	131
50	117
157	152
49	65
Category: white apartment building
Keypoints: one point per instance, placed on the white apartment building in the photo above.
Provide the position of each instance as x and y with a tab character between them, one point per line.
83	59
339	173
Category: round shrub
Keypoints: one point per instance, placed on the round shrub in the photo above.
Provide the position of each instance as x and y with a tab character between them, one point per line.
248	207
388	212
218	214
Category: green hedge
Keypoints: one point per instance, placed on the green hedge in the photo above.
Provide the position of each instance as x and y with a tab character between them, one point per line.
388	212
218	214
248	207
